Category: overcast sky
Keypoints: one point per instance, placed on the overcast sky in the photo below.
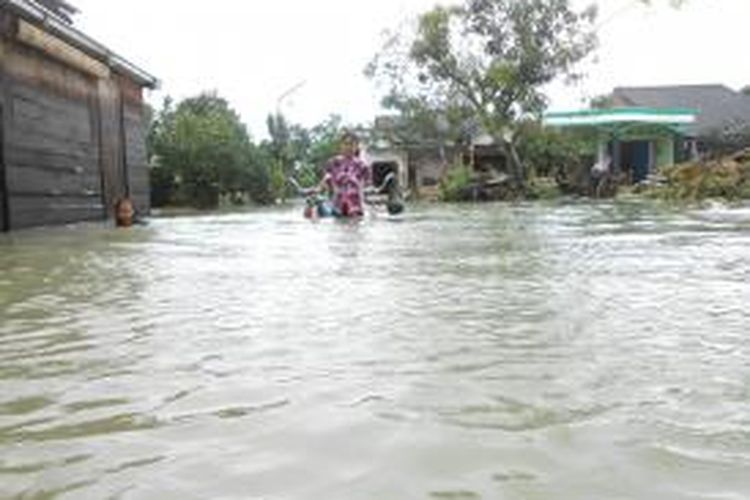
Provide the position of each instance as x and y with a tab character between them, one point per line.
252	51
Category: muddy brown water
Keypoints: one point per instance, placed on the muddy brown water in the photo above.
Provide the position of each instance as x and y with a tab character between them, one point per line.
568	351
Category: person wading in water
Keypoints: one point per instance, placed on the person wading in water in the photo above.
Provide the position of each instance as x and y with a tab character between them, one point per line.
346	177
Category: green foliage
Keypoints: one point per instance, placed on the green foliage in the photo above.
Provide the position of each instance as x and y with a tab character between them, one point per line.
163	186
418	122
601	102
278	180
457	181
298	152
544	188
201	151
257	178
550	152
490	57
200	154
323	144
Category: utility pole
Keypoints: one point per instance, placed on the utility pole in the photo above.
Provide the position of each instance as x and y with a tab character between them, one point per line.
287	93
276	122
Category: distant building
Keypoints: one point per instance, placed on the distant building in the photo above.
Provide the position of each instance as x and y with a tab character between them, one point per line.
420	163
71	120
718	107
632	142
642	128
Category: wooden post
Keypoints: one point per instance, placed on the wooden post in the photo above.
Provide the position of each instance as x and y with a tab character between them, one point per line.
601	153
110	144
4	212
5	26
124	167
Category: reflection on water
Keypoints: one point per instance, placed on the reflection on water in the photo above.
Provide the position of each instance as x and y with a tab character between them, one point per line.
520	352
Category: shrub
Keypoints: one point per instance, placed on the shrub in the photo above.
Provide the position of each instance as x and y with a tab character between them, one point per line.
456	183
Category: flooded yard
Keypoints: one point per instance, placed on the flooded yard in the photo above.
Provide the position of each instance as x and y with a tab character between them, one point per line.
562	351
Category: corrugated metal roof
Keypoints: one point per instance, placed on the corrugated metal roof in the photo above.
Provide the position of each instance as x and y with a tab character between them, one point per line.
718	106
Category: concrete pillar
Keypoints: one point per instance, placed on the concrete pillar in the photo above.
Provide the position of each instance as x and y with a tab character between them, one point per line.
664	152
601	154
616	156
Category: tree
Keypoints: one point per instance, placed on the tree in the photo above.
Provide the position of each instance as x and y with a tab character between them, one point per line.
565	155
257	177
278	131
421	122
279	151
291	147
299	152
491	57
603	101
746	90
324	144
202	150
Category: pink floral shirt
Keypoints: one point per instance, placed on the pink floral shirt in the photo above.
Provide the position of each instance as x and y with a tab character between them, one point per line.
347	178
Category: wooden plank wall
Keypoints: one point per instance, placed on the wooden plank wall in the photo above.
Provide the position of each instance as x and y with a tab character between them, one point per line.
111	161
124	162
51	157
134	138
51	141
4	223
74	139
137	160
59	50
5	31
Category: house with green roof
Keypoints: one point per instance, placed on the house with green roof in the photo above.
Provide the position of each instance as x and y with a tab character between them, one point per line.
634	141
643	128
719	109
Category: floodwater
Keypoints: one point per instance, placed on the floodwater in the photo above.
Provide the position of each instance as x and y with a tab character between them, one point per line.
573	351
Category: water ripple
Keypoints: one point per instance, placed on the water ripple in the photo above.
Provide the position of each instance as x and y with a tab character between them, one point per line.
497	351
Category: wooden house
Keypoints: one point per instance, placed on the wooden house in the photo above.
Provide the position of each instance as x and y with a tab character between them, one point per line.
72	138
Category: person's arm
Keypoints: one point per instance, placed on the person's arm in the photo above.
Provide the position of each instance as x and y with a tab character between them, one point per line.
324	184
367	174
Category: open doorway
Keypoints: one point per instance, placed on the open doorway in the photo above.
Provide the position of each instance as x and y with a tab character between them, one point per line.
381	169
636	159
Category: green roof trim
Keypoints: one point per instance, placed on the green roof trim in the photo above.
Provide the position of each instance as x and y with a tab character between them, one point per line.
623	111
599	118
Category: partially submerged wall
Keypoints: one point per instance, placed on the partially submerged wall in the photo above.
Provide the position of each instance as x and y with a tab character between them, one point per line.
73	132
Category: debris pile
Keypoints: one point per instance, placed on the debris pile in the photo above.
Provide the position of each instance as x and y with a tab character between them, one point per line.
725	178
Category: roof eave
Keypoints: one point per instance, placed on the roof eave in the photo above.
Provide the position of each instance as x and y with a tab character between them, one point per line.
603	117
37	14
